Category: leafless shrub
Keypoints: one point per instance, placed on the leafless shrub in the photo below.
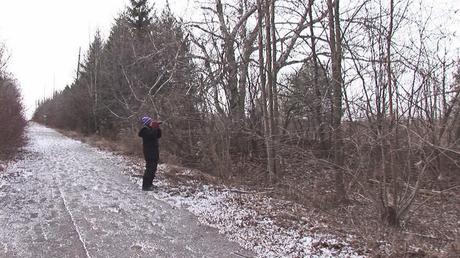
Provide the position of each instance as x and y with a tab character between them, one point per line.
12	121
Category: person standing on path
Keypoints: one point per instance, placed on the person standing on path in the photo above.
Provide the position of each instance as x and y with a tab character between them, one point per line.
150	133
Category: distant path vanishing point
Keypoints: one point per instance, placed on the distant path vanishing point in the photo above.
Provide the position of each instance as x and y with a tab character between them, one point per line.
66	199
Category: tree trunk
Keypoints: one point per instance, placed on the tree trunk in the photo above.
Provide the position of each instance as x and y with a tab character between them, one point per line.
265	101
392	142
230	67
337	81
269	89
318	104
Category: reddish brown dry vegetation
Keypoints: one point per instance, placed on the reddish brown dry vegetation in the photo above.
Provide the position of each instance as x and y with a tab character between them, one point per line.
12	121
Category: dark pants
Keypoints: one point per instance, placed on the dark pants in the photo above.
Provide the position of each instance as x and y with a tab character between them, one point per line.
150	171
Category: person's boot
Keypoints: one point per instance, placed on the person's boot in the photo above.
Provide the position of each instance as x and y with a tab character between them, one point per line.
148	188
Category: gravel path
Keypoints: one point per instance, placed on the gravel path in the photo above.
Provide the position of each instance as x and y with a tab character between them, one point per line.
66	199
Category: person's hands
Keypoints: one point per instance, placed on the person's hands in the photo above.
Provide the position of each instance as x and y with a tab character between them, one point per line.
155	124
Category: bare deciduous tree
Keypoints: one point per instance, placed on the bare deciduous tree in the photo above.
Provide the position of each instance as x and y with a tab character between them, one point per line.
12	121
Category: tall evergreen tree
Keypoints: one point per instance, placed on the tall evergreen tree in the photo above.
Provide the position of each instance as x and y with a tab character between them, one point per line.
139	15
90	79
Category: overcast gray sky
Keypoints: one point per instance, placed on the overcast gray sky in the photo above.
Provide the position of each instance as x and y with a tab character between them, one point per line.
43	38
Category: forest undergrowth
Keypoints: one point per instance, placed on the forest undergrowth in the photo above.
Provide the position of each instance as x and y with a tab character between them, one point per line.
430	230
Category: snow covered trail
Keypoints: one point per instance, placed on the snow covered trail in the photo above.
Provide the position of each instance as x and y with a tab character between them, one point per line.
66	199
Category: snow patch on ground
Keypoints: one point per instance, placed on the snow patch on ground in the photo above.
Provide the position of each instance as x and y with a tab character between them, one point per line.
232	212
220	208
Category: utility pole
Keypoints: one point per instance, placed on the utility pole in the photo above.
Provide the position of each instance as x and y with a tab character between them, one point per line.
78	65
54	84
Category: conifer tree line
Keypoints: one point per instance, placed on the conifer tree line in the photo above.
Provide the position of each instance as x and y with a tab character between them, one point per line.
143	68
368	89
12	120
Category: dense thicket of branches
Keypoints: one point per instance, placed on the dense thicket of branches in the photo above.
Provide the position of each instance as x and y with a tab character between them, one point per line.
363	88
12	121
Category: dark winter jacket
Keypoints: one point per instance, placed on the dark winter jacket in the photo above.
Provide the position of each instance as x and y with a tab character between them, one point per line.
150	138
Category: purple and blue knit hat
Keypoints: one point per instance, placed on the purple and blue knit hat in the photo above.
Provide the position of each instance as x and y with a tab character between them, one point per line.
146	120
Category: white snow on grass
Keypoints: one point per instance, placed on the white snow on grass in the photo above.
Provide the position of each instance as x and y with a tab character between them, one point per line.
220	208
232	212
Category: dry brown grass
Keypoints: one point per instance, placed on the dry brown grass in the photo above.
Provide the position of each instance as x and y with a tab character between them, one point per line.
432	230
